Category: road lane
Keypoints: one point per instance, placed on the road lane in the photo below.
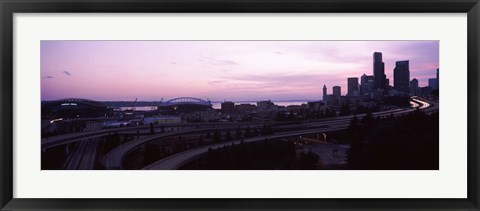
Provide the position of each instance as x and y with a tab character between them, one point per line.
178	160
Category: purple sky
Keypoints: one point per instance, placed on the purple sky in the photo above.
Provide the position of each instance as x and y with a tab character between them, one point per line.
220	70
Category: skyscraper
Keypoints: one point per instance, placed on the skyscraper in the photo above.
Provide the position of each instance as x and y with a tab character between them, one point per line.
433	83
414	87
352	86
378	71
401	76
367	84
337	91
324	91
438	80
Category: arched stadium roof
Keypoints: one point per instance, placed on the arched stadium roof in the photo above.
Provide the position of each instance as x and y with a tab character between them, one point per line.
186	101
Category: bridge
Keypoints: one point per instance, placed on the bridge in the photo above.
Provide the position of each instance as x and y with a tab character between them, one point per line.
186	101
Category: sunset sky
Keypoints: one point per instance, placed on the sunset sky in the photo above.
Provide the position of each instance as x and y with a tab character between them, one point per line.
220	70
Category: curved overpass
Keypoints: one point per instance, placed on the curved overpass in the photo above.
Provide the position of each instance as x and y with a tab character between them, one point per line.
178	160
116	155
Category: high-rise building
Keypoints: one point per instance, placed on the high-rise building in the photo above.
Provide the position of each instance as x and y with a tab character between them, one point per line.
367	85
337	91
378	71
352	86
438	80
324	91
401	76
433	83
414	89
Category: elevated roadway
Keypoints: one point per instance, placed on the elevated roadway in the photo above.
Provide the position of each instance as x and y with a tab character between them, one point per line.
180	159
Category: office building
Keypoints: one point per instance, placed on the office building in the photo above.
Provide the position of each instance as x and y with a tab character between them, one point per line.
367	84
378	71
337	91
228	106
245	107
414	89
352	86
432	83
401	76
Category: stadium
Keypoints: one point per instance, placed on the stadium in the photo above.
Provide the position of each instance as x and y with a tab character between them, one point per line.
185	104
74	108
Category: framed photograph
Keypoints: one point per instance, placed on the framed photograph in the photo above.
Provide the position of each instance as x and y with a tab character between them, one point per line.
255	105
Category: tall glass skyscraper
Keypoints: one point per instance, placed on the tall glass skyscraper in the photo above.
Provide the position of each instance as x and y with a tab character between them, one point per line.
378	71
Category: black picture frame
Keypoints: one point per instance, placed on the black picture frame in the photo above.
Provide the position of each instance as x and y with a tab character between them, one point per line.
9	7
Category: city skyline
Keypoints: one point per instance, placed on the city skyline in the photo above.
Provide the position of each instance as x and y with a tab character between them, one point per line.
220	70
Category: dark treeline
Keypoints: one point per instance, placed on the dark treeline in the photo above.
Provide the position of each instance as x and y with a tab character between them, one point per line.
304	114
409	142
396	101
266	155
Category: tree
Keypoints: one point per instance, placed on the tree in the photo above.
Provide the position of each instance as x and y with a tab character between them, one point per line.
407	142
238	133
248	132
151	129
228	135
345	110
353	127
216	136
329	113
368	121
264	129
152	154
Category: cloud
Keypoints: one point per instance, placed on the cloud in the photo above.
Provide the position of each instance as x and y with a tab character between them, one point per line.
49	77
215	82
67	73
293	81
278	52
173	63
217	62
223	62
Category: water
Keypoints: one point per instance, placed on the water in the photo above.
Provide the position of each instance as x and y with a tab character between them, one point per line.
218	105
140	108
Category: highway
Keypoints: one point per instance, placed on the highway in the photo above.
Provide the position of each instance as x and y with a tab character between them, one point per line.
74	137
83	156
114	159
178	160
